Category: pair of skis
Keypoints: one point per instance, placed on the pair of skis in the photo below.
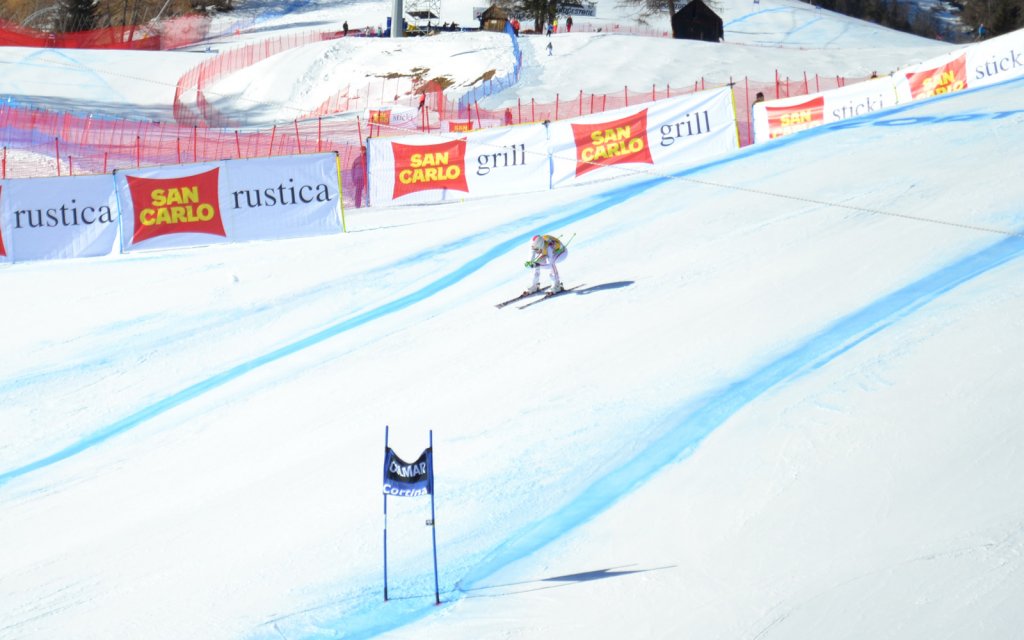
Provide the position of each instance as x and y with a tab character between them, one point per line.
542	292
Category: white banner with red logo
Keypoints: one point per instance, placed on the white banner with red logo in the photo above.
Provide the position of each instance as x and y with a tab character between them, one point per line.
672	132
538	157
776	118
488	162
229	201
393	116
978	65
56	218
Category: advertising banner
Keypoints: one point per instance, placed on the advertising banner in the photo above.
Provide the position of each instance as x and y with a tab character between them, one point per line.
666	133
393	116
229	201
938	76
775	118
996	60
57	218
3	228
419	169
978	65
403	478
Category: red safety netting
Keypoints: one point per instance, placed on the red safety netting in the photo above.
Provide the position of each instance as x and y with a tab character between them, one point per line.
744	90
191	107
614	28
167	34
129	37
87	145
12	35
183	31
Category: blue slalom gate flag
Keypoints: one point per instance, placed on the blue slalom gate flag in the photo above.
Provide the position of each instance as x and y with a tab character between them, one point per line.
403	478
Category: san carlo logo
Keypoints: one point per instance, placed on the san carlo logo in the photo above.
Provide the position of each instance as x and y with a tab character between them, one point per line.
189	204
608	143
3	252
947	78
797	117
431	166
380	116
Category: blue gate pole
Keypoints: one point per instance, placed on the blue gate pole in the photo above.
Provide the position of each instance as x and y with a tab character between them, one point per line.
385	520
433	524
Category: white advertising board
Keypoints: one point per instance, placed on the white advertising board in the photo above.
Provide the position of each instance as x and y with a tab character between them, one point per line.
665	133
977	65
418	169
229	201
56	218
776	118
538	157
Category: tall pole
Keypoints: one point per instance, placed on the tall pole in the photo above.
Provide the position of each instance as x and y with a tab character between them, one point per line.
385	521
433	524
397	26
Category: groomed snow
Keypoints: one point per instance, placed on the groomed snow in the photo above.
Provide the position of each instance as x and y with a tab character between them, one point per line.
782	403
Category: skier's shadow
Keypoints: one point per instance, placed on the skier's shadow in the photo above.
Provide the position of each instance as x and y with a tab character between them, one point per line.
603	287
554	582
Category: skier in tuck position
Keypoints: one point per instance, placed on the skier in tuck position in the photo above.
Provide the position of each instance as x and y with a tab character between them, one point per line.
547	252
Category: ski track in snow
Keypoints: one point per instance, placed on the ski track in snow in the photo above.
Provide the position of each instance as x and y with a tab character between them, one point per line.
683	429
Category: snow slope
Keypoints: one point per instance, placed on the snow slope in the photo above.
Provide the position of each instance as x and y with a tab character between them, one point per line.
782	404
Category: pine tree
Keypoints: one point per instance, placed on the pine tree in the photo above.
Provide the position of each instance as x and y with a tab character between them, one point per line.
76	15
998	16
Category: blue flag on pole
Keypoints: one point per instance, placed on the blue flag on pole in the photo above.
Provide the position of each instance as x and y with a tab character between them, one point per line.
403	478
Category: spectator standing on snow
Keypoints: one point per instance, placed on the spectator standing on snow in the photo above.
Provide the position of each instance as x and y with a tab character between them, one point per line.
568	24
344	28
358	175
758	98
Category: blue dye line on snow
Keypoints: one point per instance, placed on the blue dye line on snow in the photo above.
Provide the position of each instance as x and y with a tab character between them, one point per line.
687	427
194	391
756	13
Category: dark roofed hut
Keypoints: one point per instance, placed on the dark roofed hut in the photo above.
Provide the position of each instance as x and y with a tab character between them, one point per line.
696	21
493	18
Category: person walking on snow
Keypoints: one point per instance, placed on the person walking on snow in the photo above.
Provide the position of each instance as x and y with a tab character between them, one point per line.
547	252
